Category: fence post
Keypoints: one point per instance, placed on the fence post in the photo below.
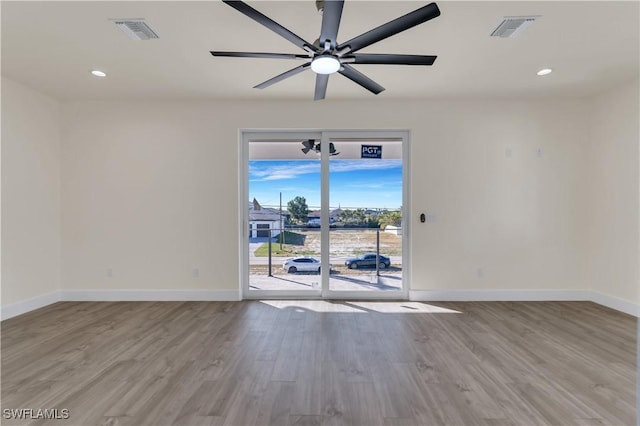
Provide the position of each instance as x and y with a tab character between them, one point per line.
378	252
270	253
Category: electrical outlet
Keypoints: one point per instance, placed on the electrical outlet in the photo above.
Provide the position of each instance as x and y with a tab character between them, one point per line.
507	152
109	272
195	272
480	272
539	152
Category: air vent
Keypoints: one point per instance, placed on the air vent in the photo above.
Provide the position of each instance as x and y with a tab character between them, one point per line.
135	29
511	26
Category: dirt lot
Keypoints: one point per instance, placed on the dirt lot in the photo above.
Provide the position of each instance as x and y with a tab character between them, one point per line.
351	242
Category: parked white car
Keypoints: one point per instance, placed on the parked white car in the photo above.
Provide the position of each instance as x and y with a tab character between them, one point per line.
302	264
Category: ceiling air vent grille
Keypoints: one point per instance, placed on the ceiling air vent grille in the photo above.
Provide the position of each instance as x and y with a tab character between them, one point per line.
512	26
135	29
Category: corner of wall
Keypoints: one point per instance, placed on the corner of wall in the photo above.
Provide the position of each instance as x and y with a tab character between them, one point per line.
613	150
30	197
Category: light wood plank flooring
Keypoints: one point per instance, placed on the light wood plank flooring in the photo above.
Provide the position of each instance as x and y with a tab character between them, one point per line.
322	363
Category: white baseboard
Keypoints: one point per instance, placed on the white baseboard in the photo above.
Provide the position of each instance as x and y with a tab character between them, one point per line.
148	295
525	296
235	295
499	295
117	296
616	303
29	305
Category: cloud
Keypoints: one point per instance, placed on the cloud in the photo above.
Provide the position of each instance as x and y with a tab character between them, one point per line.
281	170
356	165
260	171
383	184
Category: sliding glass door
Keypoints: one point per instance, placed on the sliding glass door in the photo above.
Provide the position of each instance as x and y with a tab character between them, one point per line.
324	214
365	215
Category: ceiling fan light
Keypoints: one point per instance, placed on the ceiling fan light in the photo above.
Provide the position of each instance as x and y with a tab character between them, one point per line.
325	64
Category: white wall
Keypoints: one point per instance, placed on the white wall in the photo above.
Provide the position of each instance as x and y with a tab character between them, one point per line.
538	195
517	217
30	194
614	191
146	186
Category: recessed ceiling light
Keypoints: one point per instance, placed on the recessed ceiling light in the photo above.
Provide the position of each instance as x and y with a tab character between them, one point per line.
98	73
545	71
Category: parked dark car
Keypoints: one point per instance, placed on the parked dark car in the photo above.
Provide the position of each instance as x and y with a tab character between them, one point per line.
368	261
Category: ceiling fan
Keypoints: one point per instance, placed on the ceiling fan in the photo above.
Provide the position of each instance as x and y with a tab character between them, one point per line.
326	56
311	145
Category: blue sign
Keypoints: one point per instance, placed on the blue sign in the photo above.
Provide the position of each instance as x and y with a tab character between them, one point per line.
371	151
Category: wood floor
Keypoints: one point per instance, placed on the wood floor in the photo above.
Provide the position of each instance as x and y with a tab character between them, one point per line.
322	363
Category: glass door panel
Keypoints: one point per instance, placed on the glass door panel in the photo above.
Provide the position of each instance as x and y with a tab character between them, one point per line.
365	215
284	241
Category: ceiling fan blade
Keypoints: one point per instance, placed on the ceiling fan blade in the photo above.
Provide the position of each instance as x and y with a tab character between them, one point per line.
270	23
259	55
332	149
381	58
282	76
308	145
357	77
330	22
321	86
396	26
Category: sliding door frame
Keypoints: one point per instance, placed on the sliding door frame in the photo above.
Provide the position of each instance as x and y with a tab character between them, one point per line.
258	135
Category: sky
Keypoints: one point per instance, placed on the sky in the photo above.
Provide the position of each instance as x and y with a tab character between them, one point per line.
366	183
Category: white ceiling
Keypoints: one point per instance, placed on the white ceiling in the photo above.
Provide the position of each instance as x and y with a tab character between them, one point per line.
51	46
